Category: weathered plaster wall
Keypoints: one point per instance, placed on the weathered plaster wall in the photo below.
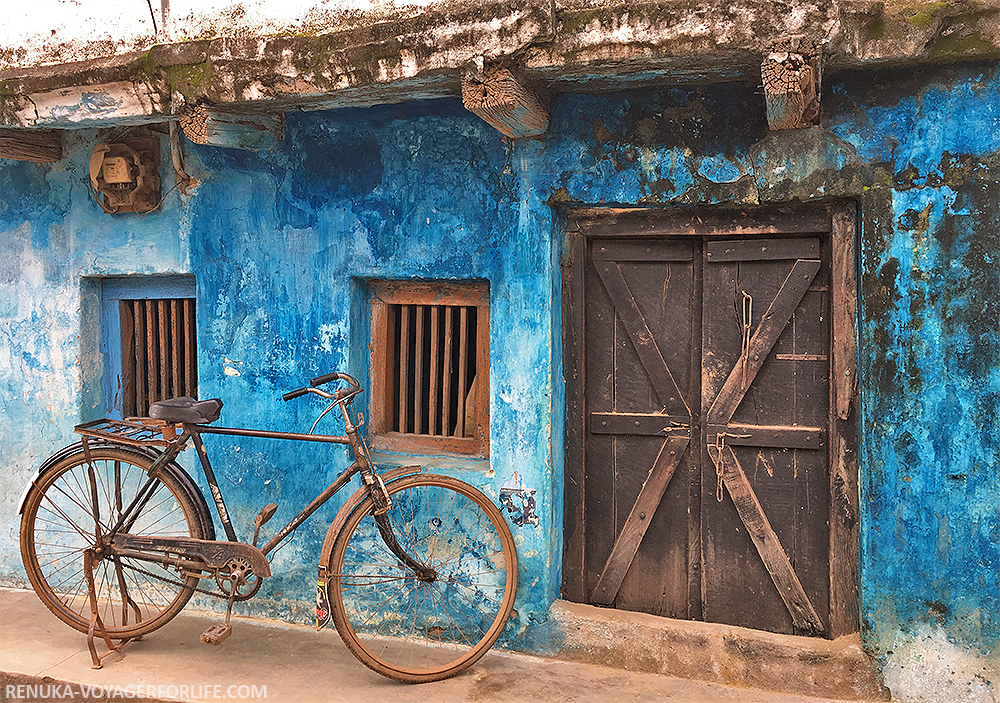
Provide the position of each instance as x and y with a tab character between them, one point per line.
54	243
930	335
279	242
421	192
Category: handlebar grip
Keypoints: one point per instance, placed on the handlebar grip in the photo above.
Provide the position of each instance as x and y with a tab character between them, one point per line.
325	378
294	394
336	375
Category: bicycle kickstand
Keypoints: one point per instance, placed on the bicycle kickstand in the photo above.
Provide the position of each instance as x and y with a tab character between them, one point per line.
95	617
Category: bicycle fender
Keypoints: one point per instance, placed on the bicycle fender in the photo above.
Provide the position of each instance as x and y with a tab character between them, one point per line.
173	468
359	495
46	465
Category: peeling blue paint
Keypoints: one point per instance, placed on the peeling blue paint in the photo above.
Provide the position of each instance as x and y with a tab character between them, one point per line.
281	244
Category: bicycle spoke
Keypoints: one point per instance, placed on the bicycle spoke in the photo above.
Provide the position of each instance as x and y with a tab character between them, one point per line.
455	625
417	630
131	600
59	511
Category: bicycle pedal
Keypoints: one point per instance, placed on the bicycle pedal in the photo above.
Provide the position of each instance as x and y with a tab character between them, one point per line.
217	633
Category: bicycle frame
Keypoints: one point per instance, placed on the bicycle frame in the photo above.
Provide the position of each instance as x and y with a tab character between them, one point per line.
463	597
192	432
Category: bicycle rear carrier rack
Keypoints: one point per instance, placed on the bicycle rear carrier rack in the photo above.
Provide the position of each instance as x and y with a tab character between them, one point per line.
137	432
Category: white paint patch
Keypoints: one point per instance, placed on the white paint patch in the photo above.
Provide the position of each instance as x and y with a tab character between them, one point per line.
93	102
229	367
327	334
927	668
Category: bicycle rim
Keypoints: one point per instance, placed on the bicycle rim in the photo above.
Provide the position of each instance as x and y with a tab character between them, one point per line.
134	597
414	630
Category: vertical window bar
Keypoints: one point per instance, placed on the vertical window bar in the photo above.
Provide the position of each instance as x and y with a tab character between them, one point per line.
190	358
150	356
126	384
163	344
175	349
418	371
432	390
449	333
404	367
463	363
140	357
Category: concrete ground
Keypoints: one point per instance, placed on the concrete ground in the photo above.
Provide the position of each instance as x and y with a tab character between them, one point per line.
43	659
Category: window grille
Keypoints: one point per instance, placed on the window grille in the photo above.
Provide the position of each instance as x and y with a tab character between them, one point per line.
430	367
159	358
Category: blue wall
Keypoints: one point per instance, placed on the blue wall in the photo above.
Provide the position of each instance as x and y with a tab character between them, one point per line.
281	242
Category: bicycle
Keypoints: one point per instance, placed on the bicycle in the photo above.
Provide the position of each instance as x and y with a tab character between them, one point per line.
418	570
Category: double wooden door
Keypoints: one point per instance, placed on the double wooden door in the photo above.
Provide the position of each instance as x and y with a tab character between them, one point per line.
709	472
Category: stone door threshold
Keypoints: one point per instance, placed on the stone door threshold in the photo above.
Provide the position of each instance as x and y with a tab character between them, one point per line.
723	654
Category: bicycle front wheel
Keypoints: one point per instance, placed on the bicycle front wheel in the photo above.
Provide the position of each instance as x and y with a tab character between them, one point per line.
413	628
77	499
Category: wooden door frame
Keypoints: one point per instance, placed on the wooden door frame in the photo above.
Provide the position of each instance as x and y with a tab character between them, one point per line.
836	220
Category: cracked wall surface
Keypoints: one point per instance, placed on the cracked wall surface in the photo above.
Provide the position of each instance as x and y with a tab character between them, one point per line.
337	56
651	105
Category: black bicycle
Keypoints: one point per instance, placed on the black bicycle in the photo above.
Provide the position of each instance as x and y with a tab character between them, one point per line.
418	571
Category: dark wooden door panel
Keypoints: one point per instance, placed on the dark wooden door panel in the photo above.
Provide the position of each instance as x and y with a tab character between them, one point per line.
755	307
638	360
657	580
707	427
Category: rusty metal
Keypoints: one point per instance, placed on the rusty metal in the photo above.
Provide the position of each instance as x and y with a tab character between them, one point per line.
213	554
96	623
237	567
148	433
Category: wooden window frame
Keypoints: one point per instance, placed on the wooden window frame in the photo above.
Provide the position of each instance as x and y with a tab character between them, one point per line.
384	295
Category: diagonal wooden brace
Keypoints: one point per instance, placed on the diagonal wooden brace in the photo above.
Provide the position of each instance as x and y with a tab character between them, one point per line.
805	620
763	340
642	338
627	543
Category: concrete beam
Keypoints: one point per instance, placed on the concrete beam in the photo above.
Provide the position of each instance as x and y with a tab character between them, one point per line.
421	52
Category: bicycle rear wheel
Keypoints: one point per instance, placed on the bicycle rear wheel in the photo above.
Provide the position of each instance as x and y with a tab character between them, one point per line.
414	629
60	521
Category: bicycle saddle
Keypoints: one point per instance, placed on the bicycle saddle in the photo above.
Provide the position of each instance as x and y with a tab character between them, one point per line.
186	409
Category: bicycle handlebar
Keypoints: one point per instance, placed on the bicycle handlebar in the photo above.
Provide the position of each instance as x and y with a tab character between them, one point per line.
294	394
340	394
336	375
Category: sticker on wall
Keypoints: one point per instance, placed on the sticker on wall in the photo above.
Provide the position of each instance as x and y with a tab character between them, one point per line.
519	501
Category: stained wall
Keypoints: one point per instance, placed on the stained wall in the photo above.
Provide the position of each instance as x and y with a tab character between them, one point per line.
281	244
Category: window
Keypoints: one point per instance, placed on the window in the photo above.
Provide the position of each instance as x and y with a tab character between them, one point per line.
150	343
430	370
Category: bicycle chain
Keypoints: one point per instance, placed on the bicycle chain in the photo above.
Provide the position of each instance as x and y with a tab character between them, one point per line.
221	596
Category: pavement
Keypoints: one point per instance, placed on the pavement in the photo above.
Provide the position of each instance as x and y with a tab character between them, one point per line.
41	659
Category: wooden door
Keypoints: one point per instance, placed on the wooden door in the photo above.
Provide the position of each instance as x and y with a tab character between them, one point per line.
702	478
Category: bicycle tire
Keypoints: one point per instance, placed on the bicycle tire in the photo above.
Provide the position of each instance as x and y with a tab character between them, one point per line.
58	524
412	630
